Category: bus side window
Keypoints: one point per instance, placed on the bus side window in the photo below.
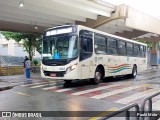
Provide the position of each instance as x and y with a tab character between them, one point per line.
86	45
100	44
145	51
141	51
112	46
136	50
122	48
129	47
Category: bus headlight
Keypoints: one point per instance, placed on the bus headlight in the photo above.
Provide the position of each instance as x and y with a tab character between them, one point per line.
71	68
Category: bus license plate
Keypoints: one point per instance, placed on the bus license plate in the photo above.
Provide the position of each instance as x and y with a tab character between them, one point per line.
53	75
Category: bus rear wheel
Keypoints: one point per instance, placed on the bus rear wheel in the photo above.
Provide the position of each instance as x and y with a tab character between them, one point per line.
97	77
134	72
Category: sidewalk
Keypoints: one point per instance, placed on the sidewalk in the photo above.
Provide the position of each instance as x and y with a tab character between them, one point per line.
20	78
7	82
5	86
150	69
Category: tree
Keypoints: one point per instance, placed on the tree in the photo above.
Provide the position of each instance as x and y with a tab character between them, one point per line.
31	42
149	44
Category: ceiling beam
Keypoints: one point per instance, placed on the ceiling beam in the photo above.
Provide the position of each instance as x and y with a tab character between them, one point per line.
17	12
27	20
120	13
54	5
131	34
34	10
17	27
86	6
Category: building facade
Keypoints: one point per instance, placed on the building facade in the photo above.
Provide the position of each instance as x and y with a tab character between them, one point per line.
12	48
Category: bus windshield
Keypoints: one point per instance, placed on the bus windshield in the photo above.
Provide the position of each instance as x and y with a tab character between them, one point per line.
60	47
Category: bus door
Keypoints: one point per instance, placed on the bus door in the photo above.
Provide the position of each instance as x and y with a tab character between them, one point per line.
86	50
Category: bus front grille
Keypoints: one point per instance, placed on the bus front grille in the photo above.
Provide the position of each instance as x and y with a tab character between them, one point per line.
54	74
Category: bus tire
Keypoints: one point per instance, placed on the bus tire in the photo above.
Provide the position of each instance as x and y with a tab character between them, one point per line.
97	76
134	72
67	83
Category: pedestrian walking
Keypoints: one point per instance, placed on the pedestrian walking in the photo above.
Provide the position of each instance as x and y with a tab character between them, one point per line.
27	65
25	61
24	70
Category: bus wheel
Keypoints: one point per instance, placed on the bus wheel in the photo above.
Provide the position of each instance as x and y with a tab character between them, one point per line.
97	77
67	82
134	72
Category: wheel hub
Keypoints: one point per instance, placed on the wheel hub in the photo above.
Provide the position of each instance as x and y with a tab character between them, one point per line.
98	76
134	72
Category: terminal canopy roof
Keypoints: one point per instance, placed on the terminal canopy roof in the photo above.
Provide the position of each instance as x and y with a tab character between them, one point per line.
41	14
37	15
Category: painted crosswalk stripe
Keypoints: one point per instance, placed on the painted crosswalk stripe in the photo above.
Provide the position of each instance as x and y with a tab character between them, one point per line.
115	92
95	89
37	86
64	90
53	87
137	96
156	105
38	83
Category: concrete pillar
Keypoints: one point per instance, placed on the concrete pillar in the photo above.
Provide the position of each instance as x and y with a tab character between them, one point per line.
154	54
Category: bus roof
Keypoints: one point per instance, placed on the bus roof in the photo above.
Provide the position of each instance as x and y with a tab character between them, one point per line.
100	32
115	36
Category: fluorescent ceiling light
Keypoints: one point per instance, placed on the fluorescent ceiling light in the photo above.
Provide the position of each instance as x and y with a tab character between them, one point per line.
21	4
36	27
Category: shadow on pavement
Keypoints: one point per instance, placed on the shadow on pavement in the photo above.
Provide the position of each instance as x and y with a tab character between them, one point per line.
87	82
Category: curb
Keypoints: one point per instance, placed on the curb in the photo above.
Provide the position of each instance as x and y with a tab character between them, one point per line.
6	88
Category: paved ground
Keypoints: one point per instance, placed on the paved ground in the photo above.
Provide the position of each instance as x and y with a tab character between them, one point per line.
39	94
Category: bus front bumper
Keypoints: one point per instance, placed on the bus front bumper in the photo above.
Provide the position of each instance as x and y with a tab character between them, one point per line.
60	75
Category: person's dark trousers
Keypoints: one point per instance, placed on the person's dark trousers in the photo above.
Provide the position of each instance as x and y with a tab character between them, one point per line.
28	73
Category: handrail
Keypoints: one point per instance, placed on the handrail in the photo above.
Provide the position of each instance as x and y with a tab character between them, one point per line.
138	110
149	99
124	109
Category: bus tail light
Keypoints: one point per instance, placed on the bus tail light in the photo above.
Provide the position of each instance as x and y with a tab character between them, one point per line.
71	68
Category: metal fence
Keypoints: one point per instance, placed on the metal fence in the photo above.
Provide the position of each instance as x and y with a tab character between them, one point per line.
140	113
125	113
13	60
149	107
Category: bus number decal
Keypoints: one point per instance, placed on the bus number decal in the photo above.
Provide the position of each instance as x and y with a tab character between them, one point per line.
100	58
95	59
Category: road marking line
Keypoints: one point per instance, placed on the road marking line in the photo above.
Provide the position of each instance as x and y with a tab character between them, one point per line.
104	113
115	92
21	93
156	105
95	89
137	96
146	85
47	88
65	89
36	83
37	86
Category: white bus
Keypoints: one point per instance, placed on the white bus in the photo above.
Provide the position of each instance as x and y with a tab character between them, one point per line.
76	52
